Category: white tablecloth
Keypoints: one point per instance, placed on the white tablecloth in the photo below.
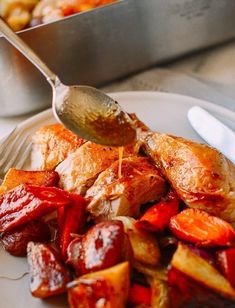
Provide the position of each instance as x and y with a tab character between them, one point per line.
208	75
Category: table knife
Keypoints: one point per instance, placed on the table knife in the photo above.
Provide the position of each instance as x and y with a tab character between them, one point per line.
213	131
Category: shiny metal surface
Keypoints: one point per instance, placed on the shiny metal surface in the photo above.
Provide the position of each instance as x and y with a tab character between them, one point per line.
108	43
213	131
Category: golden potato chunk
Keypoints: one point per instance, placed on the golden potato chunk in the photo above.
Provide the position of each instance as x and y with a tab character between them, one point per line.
104	289
16	177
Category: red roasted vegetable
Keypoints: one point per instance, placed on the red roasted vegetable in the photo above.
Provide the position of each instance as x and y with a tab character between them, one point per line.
157	217
70	220
139	295
47	274
26	202
196	226
100	248
15	241
226	260
194	282
206	255
186	292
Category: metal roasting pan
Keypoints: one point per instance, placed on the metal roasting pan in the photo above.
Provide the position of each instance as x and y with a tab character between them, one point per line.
110	42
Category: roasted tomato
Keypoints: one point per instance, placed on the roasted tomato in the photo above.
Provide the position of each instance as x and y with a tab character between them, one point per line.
47	274
100	248
16	240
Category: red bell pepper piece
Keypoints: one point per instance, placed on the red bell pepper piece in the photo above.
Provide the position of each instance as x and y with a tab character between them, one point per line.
70	220
26	202
157	217
139	295
226	260
202	229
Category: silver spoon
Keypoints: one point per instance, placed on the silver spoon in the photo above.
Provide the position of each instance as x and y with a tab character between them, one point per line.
84	110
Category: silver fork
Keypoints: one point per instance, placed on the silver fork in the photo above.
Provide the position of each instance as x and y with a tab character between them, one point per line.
15	149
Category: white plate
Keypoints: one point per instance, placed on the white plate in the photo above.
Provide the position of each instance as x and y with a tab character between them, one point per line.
160	111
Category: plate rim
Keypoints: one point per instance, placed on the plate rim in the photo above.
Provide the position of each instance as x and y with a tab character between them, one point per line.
223	111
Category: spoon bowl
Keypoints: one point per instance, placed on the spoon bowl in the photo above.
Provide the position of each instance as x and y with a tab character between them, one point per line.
92	114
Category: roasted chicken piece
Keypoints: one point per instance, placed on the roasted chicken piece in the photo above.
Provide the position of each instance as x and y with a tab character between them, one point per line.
79	171
111	195
51	145
202	177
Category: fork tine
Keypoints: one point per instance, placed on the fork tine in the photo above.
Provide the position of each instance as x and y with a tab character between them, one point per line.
24	156
8	145
21	150
15	149
5	141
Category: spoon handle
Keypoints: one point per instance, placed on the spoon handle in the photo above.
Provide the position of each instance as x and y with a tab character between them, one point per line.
19	44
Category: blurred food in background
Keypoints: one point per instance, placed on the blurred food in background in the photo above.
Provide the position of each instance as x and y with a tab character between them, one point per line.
21	14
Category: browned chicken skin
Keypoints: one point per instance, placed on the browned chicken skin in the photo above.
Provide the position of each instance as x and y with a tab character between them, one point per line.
202	176
79	171
111	196
51	145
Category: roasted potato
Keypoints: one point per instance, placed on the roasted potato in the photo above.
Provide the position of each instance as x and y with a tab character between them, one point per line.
104	289
160	296
16	177
193	279
144	245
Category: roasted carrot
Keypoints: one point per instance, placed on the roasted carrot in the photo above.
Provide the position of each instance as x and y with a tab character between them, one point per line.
202	229
157	217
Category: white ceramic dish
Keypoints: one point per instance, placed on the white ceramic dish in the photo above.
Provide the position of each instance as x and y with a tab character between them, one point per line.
160	111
